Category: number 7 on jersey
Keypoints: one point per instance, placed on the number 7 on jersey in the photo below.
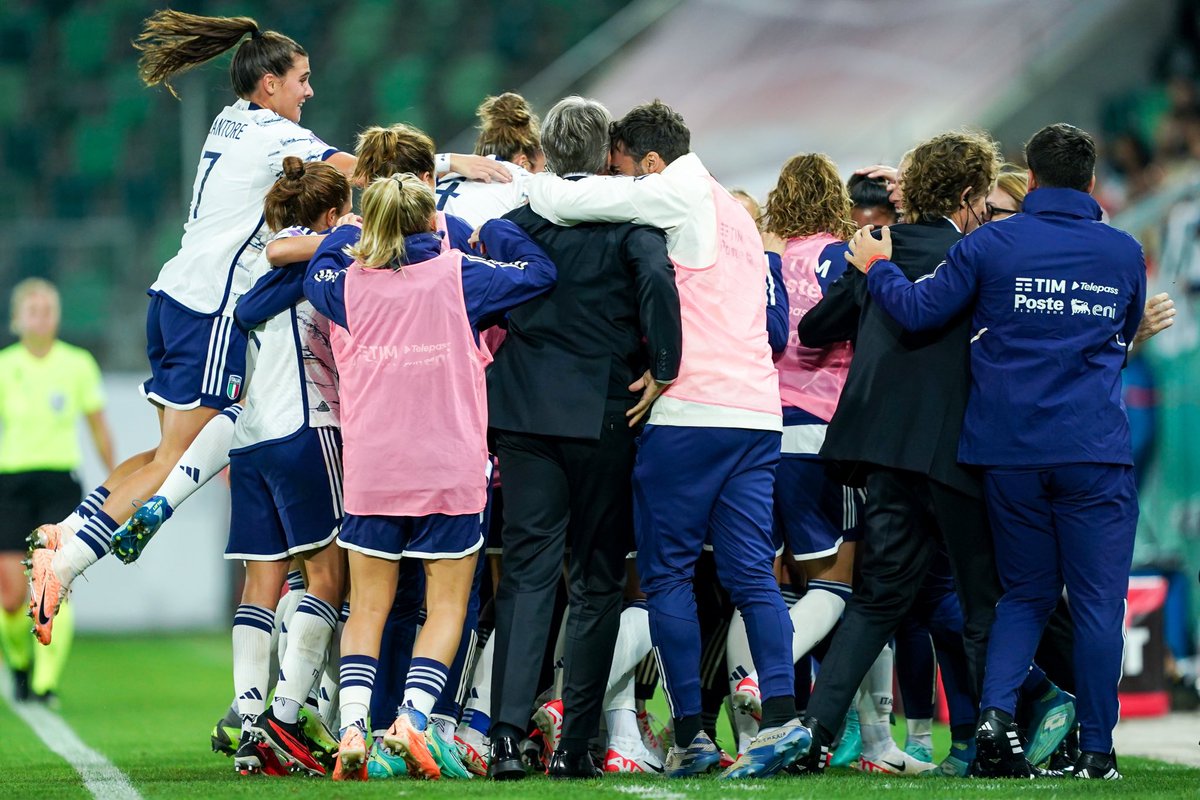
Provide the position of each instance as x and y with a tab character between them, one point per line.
211	157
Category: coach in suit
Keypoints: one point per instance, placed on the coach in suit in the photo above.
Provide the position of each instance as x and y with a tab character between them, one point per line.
896	432
559	399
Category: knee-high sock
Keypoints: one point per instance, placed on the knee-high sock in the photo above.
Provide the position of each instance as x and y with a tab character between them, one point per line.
283	620
251	659
874	705
813	616
357	679
85	548
207	455
86	509
50	661
633	644
478	714
16	642
327	695
308	643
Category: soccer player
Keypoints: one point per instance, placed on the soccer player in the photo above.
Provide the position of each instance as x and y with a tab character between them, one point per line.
46	385
509	133
286	476
706	460
197	354
414	427
1058	297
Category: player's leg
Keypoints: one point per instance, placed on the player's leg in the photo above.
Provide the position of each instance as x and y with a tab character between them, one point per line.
1027	558
1095	515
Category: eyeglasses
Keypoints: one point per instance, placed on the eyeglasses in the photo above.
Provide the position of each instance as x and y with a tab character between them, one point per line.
991	212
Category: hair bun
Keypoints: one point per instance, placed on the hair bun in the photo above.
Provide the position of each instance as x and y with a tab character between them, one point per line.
293	168
509	109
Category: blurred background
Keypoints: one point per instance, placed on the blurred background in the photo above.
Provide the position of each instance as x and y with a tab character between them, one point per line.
96	170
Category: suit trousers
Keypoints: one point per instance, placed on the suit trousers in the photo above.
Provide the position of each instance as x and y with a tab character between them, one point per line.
559	493
907	514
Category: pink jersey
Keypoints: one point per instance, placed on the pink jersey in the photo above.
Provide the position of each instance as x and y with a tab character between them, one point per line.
726	359
414	401
810	378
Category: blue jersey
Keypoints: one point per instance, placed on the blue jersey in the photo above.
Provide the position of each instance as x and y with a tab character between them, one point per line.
778	310
1058	297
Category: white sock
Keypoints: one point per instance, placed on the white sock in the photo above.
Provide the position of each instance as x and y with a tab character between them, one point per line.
283	620
815	614
622	724
308	643
251	660
874	704
86	509
746	727
85	548
445	726
737	651
327	695
480	697
207	455
357	680
920	731
633	644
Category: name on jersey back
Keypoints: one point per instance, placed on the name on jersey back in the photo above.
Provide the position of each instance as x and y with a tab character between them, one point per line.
227	128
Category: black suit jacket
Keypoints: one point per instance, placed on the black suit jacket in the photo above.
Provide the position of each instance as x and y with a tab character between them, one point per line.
904	398
613	314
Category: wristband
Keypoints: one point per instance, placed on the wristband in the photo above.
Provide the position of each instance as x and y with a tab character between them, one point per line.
442	163
871	261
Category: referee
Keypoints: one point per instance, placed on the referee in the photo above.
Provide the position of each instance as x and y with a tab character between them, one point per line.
45	386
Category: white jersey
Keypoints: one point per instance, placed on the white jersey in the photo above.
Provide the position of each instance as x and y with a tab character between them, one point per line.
294	381
477	202
224	233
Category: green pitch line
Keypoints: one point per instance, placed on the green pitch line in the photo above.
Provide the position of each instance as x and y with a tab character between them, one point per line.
158	697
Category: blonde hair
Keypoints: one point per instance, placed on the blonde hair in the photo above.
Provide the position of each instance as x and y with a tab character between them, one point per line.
809	198
508	128
749	200
395	149
1014	182
392	208
22	292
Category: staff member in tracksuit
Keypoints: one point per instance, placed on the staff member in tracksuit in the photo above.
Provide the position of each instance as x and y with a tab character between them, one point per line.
1058	296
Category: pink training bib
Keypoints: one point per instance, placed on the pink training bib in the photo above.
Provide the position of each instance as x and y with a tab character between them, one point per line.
810	378
413	396
726	358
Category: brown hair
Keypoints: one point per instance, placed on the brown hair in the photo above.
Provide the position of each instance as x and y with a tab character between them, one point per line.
396	149
303	193
173	42
942	168
1014	182
508	128
393	207
809	198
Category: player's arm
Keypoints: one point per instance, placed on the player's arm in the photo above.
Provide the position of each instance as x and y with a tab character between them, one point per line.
91	403
778	307
325	277
101	438
291	249
645	249
272	294
515	270
458	231
472	167
646	200
929	302
835	316
1136	309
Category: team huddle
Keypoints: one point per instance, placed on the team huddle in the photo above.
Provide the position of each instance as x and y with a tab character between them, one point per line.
544	427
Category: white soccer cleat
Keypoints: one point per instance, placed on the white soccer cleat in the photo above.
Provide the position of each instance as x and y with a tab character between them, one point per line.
895	762
631	755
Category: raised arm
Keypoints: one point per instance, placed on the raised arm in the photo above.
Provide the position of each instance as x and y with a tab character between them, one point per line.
515	270
929	302
291	249
647	200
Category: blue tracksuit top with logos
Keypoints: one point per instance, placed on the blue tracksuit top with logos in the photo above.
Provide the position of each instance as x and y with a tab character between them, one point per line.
1058	296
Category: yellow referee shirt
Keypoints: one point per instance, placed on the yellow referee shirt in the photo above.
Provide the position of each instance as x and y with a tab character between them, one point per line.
40	401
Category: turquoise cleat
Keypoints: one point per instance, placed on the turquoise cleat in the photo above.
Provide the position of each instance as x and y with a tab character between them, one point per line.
849	750
383	764
1051	719
131	538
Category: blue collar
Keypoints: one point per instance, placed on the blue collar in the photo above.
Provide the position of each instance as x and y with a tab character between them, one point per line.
422	247
1066	202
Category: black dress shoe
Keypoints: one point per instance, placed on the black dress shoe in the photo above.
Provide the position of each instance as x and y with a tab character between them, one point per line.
505	763
565	764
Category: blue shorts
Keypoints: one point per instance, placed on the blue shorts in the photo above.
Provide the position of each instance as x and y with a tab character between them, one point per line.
285	497
813	514
195	359
433	537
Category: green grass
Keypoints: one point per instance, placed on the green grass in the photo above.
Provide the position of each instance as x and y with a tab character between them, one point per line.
162	694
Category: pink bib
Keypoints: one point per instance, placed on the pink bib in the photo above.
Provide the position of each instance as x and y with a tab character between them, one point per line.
726	358
810	378
413	396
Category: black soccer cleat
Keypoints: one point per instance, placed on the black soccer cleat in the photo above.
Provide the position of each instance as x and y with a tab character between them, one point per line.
1097	766
999	752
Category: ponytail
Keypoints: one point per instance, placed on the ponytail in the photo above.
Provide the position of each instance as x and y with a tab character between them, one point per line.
393	208
173	42
399	148
508	128
304	192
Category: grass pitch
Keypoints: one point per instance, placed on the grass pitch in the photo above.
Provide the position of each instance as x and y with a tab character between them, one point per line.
148	703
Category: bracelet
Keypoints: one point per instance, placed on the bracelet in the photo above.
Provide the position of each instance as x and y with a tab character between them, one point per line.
871	261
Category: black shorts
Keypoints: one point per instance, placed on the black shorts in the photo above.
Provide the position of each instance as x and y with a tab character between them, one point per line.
27	499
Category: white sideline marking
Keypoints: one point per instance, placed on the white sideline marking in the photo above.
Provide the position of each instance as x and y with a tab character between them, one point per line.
100	777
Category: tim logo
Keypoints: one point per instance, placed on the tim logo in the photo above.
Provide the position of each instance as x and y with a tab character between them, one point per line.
1043	285
1080	307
